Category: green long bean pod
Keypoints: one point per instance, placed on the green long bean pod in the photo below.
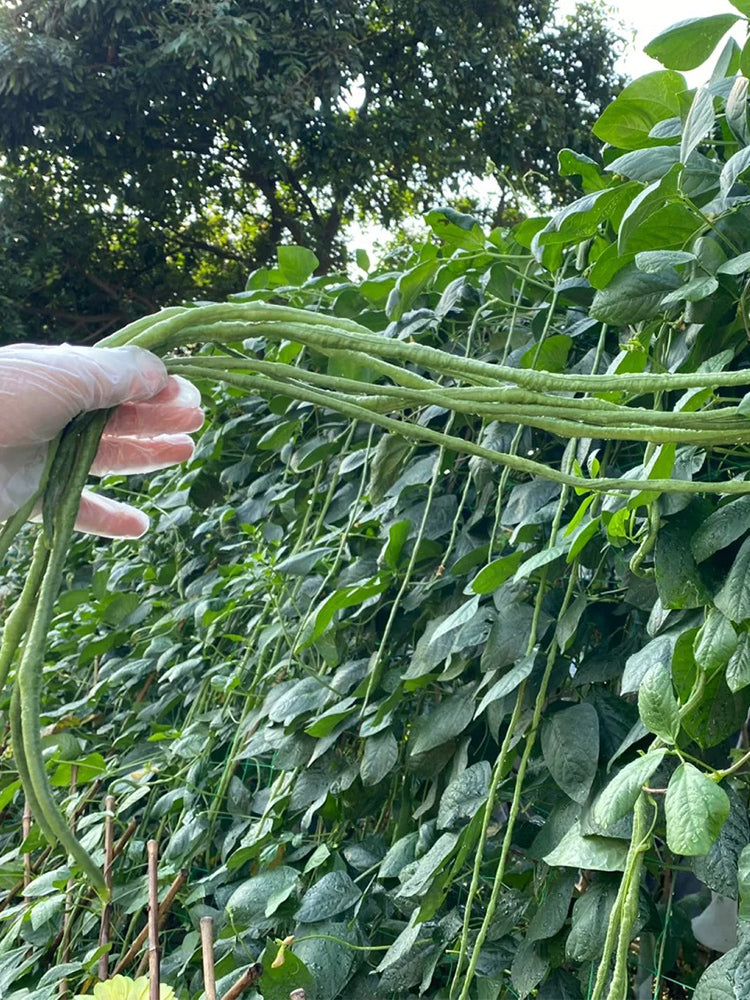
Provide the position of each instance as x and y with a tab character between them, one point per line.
230	322
17	620
29	675
341	404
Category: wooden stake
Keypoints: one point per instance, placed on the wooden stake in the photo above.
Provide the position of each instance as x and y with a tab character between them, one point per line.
245	981
153	919
164	908
207	948
109	850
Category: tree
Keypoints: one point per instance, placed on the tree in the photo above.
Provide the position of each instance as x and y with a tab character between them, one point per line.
164	149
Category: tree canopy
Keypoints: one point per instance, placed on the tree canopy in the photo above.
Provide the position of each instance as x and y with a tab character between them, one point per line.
165	149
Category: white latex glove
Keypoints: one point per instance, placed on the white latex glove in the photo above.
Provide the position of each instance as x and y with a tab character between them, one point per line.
43	388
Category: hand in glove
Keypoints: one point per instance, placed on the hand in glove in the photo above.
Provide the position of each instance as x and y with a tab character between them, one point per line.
43	388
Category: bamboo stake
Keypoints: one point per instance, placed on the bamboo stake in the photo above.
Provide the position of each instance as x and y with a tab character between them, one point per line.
164	907
109	847
68	915
246	980
153	919
207	949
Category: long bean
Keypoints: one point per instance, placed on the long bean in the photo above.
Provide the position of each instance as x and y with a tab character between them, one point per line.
27	694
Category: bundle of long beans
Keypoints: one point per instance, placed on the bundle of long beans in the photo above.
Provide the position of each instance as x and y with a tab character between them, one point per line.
538	399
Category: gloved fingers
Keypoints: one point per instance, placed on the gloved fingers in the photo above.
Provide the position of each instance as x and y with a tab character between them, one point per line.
20	474
109	518
43	388
176	408
128	455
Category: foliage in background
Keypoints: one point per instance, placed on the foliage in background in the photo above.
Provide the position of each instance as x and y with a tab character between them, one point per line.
301	679
165	149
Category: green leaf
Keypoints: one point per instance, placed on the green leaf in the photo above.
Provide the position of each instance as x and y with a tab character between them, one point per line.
738	668
345	597
573	164
379	758
464	796
553	911
455	228
695	808
736	110
743	883
658	650
88	768
619	797
447	720
718	868
692	291
715	643
687	44
588	931
677	577
653	261
570	744
632	296
657	704
733	599
390	453
735	168
735	265
721	528
332	894
261	896
277	983
699	122
296	264
540	559
491	576
628	120
602	854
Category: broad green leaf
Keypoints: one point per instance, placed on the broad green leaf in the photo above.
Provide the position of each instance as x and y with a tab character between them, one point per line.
88	768
540	559
718	868
591	911
736	110
445	721
455	228
689	43
721	528
507	683
279	979
573	164
695	809
296	264
736	265
603	854
530	965
743	883
619	797
570	744
379	758
332	894
699	122
632	296
390	453
733	599
261	896
553	911
346	597
491	576
464	796
658	650
628	120
715	643
657	704
738	668
735	168
677	577
652	261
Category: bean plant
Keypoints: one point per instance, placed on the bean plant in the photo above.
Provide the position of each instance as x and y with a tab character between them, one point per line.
432	676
